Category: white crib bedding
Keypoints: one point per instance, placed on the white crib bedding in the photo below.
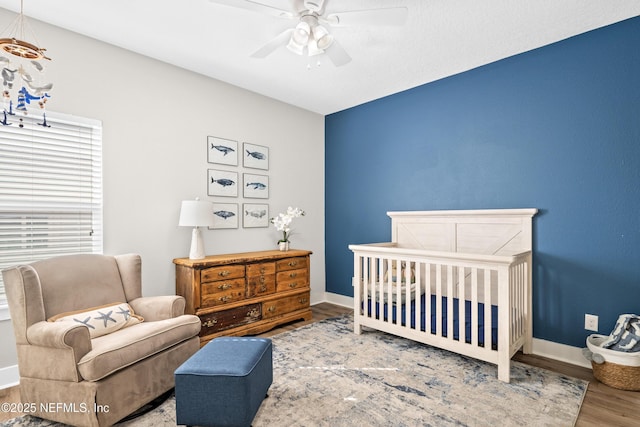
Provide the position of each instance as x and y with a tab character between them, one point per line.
394	292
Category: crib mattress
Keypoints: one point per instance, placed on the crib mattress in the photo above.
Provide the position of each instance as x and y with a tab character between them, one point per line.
444	320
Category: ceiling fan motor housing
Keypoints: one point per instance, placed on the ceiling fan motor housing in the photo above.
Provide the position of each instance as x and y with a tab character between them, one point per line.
314	5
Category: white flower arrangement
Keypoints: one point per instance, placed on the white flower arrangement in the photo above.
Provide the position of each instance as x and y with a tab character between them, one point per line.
283	222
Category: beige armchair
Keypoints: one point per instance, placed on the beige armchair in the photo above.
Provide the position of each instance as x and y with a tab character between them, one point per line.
66	375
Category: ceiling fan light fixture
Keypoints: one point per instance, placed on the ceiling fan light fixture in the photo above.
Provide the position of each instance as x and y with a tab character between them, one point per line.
295	47
322	37
313	49
301	33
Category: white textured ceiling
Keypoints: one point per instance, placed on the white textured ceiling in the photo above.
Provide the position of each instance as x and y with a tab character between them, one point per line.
439	39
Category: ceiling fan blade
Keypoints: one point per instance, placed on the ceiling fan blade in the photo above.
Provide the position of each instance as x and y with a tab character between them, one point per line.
280	40
386	16
255	7
337	54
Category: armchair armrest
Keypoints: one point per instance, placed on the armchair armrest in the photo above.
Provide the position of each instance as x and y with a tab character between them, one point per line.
54	350
158	307
60	335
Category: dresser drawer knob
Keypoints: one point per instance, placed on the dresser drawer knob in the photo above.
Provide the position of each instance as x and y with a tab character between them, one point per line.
293	284
263	279
253	313
263	288
302	300
224	286
293	263
224	298
292	275
209	323
224	273
271	309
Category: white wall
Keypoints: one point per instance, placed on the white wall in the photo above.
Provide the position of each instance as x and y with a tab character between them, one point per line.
156	118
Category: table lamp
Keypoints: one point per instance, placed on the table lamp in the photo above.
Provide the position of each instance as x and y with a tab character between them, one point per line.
196	213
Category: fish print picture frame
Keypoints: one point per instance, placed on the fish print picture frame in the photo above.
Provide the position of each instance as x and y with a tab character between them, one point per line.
225	215
255	156
222	151
222	183
255	186
255	215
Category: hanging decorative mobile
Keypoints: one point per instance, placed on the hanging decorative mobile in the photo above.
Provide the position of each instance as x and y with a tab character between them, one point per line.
18	70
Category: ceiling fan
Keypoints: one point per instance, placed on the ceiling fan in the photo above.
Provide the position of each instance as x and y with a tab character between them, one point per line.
311	34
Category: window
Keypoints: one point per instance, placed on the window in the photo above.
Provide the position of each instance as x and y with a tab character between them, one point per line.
50	188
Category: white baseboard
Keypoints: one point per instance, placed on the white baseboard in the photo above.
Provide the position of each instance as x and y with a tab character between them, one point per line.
9	377
549	349
560	352
336	299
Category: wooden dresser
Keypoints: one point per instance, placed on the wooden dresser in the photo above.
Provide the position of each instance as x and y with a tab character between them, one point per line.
245	293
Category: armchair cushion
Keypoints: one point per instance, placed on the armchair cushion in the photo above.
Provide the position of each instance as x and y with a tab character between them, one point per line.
115	351
101	320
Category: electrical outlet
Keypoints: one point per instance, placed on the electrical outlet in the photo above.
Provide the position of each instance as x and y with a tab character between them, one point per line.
591	322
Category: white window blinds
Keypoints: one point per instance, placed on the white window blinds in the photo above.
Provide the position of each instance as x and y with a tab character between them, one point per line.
50	189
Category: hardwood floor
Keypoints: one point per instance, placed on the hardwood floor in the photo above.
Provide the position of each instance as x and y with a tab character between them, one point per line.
602	406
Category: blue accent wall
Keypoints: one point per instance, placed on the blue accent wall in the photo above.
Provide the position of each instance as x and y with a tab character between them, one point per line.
556	128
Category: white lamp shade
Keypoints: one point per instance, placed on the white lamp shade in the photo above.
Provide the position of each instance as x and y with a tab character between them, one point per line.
196	213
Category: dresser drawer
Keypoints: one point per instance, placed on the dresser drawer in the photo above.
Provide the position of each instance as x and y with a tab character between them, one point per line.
261	285
291	263
291	279
221	273
285	305
261	269
226	319
222	292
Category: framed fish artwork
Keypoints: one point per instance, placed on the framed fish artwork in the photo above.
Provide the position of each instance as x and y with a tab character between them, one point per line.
255	186
222	151
255	156
255	215
225	215
222	183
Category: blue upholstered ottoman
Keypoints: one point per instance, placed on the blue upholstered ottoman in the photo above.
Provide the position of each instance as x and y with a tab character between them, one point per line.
224	383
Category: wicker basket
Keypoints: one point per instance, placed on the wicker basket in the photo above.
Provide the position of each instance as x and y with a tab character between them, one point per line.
620	370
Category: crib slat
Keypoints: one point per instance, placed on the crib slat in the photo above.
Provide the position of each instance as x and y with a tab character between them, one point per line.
417	296
388	295
521	281
474	306
407	294
438	299
364	271
427	300
517	306
488	297
449	301
462	315
372	281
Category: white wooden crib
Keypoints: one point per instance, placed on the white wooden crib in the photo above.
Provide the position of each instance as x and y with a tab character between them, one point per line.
458	280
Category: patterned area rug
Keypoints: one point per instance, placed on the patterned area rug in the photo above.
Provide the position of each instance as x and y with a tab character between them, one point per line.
325	375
